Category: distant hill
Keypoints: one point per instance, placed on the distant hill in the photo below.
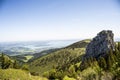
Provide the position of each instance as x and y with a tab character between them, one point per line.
31	57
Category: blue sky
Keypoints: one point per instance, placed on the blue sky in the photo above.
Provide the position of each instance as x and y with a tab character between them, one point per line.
26	20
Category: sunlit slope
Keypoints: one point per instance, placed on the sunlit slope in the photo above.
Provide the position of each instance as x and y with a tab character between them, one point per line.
59	59
79	44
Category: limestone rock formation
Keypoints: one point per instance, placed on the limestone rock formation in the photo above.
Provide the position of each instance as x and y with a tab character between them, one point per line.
101	44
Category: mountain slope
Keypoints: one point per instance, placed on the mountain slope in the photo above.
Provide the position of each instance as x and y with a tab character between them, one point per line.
79	44
59	59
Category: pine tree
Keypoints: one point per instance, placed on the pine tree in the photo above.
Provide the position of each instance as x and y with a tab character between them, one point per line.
102	63
116	51
109	64
119	46
89	62
117	55
5	62
2	61
111	55
15	65
85	64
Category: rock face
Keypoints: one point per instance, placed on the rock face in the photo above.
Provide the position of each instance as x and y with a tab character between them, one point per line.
102	43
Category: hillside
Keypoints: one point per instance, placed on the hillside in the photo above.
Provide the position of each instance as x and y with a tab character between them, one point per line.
59	59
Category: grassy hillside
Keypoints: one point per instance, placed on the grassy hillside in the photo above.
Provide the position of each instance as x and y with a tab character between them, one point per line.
79	44
59	59
17	74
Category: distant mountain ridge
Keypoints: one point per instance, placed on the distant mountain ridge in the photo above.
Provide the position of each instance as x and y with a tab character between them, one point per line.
20	48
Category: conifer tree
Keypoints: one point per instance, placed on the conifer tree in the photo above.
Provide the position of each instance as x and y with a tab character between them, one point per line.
117	55
119	46
5	61
109	64
102	63
116	51
111	55
85	63
15	65
2	61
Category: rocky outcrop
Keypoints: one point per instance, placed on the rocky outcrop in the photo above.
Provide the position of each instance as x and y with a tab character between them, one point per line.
101	44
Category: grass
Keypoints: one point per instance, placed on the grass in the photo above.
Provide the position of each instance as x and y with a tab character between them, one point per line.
17	74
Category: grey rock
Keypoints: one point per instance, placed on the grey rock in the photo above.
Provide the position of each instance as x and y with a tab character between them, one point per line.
101	44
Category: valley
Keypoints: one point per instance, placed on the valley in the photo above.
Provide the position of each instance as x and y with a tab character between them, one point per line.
31	47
